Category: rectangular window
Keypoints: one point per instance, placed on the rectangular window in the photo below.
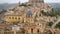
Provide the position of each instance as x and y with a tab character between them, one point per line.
31	30
38	31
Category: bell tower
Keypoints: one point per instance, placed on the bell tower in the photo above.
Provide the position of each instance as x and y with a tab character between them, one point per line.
19	3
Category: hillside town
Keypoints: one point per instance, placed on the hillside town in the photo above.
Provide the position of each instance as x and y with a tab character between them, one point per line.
33	17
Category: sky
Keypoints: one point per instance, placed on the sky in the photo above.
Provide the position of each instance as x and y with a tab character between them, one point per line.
22	1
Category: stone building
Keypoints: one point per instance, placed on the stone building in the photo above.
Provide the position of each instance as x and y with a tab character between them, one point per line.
28	16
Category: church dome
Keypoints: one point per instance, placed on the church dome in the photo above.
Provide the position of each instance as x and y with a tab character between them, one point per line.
29	12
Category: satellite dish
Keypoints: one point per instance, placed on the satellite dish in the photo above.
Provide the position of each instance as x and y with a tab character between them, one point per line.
23	1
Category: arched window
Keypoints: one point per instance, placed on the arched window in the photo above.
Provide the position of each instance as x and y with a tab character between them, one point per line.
19	18
9	17
16	17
